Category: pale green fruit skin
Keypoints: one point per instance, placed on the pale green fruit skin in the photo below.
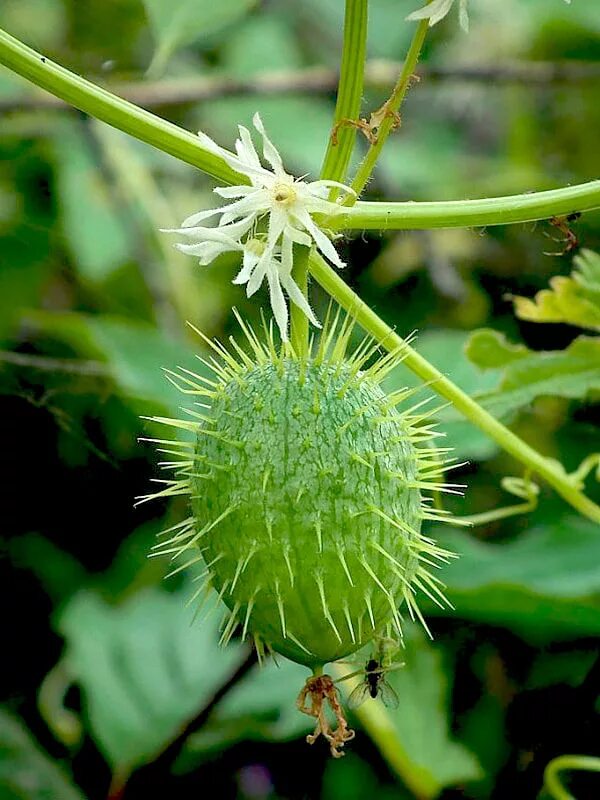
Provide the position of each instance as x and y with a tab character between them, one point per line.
284	453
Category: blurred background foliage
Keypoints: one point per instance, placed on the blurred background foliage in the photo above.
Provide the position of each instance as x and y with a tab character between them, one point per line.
105	673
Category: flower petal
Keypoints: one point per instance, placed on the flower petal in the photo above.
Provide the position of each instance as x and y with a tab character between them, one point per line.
245	149
322	242
258	275
234	191
249	263
269	150
278	304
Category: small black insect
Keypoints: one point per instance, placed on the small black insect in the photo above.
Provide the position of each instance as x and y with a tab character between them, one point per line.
374	683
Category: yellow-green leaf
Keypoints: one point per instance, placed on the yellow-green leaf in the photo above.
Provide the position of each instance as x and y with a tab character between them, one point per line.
574	300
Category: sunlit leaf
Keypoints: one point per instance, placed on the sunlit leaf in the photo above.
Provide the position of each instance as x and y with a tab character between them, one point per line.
144	669
26	772
574	300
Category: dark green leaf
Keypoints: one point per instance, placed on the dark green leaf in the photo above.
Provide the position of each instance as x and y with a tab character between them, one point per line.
261	707
92	227
26	772
135	352
445	350
545	583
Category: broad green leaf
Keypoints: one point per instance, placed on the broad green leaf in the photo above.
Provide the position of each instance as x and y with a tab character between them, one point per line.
527	374
546	583
93	228
260	707
176	23
135	353
26	772
574	300
445	350
423	745
145	668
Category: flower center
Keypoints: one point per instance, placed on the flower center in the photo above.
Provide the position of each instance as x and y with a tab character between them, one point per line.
284	194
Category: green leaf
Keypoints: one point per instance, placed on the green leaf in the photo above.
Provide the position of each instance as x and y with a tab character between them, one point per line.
526	374
544	584
144	668
445	350
432	759
95	233
176	23
260	707
489	349
135	353
26	772
574	300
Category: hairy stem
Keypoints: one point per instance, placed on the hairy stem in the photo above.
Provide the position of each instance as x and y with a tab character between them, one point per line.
505	210
350	89
298	319
391	107
546	468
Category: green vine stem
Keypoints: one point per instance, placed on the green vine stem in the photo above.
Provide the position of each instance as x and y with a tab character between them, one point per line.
181	144
505	210
338	155
546	468
350	89
299	333
105	106
185	146
552	782
391	108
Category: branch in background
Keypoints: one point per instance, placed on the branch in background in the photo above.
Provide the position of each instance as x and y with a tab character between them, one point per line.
380	74
69	366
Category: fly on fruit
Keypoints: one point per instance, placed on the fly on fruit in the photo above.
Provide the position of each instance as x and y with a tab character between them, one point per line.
374	683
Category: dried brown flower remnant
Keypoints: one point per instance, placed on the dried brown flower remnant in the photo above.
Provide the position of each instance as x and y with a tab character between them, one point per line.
321	690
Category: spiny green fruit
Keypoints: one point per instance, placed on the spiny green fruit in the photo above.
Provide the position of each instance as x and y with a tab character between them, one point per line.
306	492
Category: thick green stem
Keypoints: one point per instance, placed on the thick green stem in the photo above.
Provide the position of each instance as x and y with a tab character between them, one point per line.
546	468
109	108
298	319
350	89
391	107
505	210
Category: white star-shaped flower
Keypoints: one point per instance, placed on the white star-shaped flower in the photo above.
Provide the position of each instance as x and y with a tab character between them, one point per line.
264	221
